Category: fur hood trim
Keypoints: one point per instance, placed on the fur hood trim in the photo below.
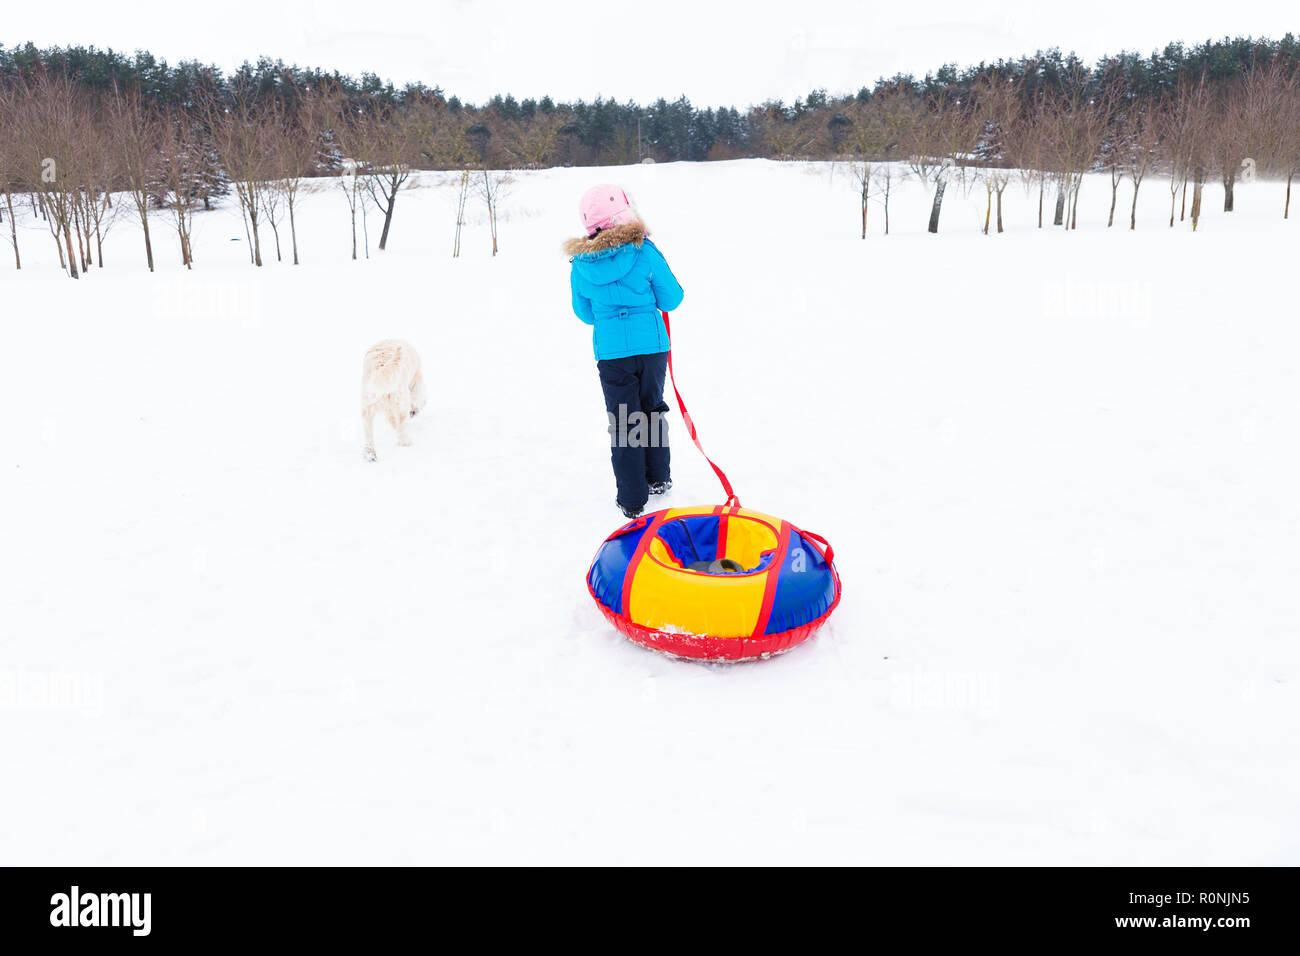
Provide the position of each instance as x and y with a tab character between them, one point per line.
621	235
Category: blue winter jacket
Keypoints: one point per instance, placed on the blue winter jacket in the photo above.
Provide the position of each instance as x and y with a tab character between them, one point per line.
620	282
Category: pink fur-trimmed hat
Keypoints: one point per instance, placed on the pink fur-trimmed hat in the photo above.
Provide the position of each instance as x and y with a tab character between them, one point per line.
604	206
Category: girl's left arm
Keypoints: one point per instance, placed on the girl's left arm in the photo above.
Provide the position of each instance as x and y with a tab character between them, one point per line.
668	291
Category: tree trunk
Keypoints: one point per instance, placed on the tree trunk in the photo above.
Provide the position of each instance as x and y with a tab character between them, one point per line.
1059	219
1133	214
1196	198
937	205
460	211
1042	185
18	261
1182	211
83	232
257	238
248	234
184	227
56	233
988	208
1074	206
1286	212
388	219
1229	181
72	261
1000	209
293	233
82	244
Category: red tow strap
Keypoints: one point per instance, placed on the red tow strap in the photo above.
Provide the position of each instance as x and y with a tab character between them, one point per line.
732	500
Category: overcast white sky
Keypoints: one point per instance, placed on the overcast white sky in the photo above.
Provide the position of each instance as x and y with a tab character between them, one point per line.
734	54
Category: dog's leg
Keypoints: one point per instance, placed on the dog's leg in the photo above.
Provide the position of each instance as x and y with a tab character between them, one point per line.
417	393
368	419
397	416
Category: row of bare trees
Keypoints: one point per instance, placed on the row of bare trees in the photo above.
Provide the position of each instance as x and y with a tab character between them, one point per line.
78	162
999	130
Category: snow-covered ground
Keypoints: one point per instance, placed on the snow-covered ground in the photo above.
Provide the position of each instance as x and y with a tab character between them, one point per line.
1059	471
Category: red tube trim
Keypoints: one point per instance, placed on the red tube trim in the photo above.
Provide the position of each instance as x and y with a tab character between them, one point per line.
769	588
706	648
642	548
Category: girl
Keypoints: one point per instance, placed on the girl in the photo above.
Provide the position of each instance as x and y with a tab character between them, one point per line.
620	283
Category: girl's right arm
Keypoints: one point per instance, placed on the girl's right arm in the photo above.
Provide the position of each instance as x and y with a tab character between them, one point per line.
581	304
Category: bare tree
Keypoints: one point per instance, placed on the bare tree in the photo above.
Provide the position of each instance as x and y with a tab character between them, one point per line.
1180	127
997	117
937	147
1227	136
49	131
1200	145
445	142
1028	148
1272	122
393	143
1078	124
1112	156
181	174
492	186
351	185
351	132
863	142
11	166
875	138
462	196
863	173
135	131
242	134
895	112
1143	149
1290	141
296	148
100	175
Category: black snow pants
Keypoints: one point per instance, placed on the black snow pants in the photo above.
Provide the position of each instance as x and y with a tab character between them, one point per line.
638	428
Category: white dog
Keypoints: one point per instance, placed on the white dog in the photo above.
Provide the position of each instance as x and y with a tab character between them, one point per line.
391	382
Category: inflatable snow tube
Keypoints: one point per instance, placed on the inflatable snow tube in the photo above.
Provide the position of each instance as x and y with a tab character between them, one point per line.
715	583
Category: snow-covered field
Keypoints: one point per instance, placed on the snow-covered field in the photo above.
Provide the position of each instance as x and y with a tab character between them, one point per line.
1059	472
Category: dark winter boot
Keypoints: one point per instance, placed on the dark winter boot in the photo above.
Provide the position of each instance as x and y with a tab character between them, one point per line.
659	487
628	512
